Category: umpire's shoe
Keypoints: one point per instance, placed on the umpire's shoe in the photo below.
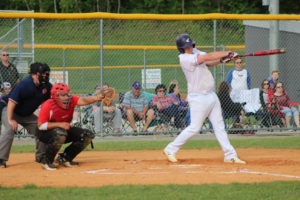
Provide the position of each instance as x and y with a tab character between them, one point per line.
63	161
46	164
235	160
171	157
2	163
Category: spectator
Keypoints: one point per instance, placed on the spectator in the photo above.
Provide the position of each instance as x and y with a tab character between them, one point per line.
8	72
5	88
165	104
174	92
173	82
239	77
274	78
109	112
264	101
280	101
228	106
136	104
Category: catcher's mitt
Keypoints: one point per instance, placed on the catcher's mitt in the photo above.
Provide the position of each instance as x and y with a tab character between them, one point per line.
106	96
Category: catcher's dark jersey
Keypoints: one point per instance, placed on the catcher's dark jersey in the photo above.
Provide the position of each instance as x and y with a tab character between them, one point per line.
50	112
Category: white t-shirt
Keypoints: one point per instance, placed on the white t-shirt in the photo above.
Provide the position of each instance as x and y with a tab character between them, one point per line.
239	79
199	78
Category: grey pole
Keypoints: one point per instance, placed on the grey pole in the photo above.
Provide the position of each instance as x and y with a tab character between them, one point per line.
101	73
145	81
274	35
64	65
215	47
32	38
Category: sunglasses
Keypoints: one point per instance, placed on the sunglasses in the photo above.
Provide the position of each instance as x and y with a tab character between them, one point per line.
161	91
266	83
238	62
5	54
279	87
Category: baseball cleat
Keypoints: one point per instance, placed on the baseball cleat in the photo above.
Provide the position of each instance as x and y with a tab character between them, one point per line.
171	157
235	160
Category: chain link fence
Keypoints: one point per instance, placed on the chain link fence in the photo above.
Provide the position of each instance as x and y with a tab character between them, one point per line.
86	52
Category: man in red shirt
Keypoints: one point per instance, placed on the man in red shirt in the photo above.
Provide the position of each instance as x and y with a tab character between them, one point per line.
54	127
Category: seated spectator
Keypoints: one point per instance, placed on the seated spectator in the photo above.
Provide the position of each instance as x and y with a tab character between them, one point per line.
264	101
109	112
5	88
274	78
136	105
228	106
165	104
174	93
281	102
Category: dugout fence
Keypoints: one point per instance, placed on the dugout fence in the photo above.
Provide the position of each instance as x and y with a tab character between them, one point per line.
88	49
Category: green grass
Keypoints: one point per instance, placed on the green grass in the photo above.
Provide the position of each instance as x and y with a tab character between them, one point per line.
282	143
274	190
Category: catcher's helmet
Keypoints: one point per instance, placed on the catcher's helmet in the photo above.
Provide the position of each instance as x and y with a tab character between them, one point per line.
61	94
184	41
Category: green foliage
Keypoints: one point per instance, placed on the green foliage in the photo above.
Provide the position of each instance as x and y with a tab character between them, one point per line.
246	191
149	6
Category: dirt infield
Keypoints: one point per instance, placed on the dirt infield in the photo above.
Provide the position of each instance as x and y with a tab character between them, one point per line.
98	168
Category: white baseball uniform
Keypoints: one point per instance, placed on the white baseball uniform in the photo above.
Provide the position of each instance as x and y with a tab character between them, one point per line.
203	103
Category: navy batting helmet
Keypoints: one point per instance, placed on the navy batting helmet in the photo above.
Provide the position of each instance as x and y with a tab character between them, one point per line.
184	41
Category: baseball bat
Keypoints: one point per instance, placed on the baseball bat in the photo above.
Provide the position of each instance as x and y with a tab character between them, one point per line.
265	53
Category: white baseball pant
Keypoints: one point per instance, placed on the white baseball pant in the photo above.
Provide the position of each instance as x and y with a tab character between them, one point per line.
203	106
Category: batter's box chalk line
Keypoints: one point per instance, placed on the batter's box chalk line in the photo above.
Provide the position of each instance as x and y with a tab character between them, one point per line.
154	170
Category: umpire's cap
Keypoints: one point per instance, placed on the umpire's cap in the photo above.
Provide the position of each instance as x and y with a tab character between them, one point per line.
184	41
39	67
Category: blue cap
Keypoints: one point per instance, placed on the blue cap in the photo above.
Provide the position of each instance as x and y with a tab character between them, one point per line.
136	85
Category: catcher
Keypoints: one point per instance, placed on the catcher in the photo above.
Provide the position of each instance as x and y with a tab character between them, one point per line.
55	129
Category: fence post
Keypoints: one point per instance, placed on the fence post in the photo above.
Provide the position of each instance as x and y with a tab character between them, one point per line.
101	73
145	81
215	46
222	48
64	64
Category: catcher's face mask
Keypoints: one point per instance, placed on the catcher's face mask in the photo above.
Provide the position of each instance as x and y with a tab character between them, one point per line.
63	100
61	94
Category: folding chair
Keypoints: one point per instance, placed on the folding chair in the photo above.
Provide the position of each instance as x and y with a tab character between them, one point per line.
88	121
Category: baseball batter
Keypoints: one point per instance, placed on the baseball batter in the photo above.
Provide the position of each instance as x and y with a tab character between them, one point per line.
202	99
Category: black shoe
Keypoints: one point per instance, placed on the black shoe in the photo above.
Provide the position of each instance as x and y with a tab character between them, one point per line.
63	161
46	164
2	163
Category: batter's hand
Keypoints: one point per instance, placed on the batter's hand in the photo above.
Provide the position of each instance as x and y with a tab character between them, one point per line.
13	124
231	55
